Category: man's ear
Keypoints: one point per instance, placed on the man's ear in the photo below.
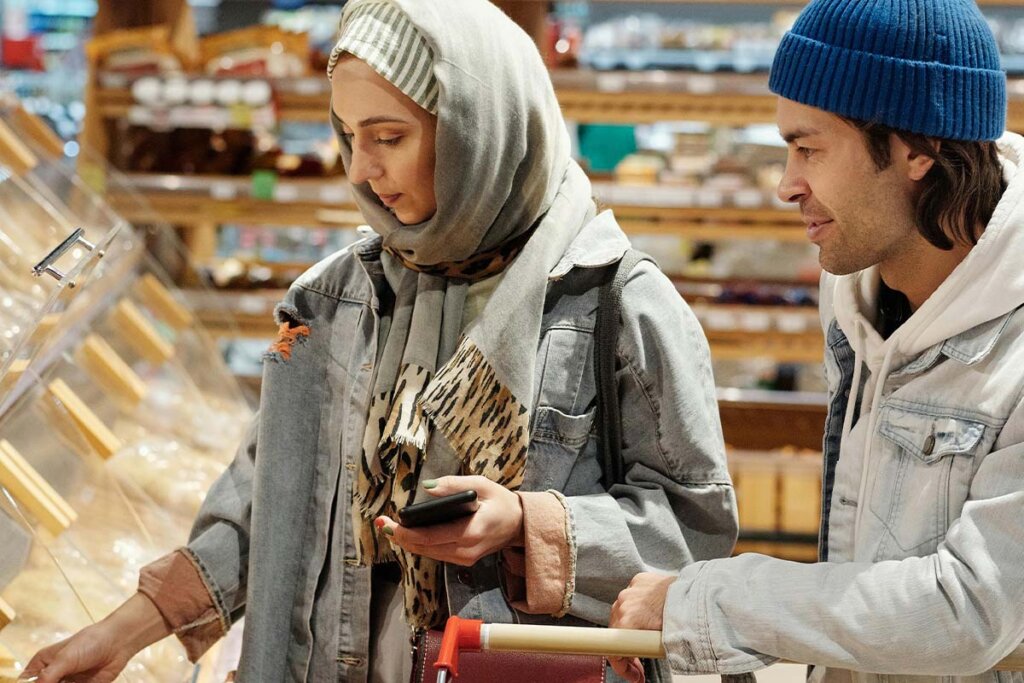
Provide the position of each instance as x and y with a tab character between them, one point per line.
918	165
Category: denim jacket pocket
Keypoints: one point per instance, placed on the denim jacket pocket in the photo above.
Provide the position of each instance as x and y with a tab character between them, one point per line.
924	474
555	444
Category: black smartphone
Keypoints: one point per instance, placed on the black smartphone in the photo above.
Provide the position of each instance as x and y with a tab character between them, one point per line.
438	510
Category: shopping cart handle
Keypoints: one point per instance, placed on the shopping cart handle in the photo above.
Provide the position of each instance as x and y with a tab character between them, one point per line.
572	640
471	634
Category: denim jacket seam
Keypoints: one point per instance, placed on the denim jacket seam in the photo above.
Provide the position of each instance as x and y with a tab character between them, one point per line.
639	378
220	605
336	297
572	327
707	647
549	436
887	432
975	355
570	539
832	340
1018	402
931	410
695	483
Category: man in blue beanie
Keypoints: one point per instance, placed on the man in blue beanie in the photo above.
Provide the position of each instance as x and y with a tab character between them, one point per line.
894	114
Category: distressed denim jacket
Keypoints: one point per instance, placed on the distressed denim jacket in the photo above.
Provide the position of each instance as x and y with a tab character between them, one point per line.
933	583
274	540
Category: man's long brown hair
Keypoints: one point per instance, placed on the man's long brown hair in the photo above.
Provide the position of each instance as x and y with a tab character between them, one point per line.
958	194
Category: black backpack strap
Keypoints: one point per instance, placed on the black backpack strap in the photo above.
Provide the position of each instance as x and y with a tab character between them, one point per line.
606	337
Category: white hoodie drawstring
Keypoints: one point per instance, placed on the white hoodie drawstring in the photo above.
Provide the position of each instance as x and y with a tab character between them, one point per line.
851	402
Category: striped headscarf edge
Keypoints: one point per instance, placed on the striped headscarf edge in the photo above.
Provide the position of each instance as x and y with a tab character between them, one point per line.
379	33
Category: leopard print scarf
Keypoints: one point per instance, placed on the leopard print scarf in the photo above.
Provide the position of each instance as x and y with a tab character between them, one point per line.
474	269
397	432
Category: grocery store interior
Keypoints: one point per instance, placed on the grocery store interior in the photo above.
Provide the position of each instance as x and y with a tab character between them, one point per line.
167	169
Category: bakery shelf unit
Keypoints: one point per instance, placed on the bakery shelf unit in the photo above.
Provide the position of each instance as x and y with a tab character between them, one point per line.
117	412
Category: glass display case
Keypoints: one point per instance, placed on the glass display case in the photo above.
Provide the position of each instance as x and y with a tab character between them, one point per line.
116	412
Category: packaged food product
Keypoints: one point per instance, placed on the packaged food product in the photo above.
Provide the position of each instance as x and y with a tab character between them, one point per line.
255	51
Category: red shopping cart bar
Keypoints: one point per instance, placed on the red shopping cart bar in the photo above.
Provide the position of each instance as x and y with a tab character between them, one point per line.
471	634
474	635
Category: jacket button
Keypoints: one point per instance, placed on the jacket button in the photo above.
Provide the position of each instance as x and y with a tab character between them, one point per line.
929	444
465	577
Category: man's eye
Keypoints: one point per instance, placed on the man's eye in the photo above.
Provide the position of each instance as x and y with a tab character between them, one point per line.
805	151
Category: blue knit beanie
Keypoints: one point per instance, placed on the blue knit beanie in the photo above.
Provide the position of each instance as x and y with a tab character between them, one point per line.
922	66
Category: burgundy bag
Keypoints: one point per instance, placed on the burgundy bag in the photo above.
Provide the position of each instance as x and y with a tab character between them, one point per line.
489	667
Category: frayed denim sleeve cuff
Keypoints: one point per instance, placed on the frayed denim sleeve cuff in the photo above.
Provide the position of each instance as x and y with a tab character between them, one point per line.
539	576
175	586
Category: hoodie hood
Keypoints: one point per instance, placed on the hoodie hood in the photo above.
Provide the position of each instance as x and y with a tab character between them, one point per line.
986	285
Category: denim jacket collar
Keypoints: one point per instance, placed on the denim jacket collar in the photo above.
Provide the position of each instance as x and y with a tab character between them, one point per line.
600	243
969	347
973	345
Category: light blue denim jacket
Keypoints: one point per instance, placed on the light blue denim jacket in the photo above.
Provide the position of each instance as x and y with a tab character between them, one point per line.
922	536
274	540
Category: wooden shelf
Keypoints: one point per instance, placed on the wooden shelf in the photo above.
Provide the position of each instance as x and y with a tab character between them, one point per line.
631	97
190	210
196	200
252	313
786	334
782	347
713	223
734	281
766	420
588	96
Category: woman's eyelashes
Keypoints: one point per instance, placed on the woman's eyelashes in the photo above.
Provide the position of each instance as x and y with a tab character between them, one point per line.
378	140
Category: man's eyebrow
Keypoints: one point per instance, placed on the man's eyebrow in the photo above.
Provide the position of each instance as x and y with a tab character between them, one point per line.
799	133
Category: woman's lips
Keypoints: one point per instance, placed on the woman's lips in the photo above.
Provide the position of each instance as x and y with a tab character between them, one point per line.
389	199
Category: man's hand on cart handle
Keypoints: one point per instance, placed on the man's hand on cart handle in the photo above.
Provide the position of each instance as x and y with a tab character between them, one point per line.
639	606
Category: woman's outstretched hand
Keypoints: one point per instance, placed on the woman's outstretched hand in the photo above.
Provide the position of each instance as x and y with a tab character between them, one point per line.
98	653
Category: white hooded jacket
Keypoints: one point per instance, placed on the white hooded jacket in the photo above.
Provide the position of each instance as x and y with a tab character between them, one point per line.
925	536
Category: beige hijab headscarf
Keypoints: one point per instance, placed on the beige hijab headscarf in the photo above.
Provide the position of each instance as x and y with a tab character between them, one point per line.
510	199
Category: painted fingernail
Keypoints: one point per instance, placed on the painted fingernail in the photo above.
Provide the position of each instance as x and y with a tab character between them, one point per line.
388	531
379	522
430	483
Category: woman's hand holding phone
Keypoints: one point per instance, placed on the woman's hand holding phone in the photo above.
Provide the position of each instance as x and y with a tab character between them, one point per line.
497	524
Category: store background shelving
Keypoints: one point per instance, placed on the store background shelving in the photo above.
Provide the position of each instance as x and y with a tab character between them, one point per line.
201	205
204	207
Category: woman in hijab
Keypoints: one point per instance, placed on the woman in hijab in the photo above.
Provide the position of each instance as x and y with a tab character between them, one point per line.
452	351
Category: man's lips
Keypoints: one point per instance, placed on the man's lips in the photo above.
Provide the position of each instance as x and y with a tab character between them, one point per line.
816	226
